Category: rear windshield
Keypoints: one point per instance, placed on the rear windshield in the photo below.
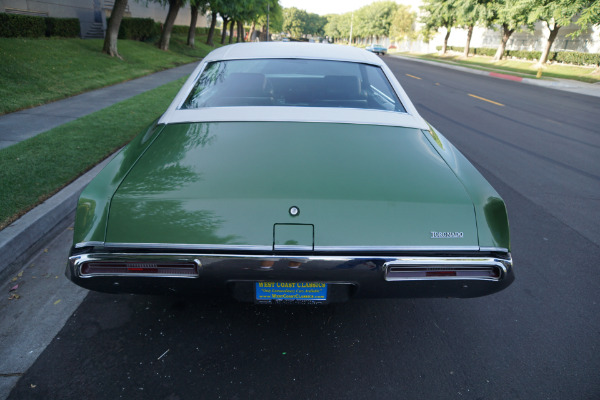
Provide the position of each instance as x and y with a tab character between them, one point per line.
293	82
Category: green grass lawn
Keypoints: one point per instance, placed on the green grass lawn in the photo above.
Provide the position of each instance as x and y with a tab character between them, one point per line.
521	68
37	71
35	169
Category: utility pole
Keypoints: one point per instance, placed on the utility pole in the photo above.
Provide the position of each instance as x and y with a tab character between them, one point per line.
268	21
351	23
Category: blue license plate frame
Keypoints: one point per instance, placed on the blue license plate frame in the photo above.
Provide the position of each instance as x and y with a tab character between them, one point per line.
290	291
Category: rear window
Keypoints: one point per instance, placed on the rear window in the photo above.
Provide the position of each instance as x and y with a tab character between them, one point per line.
293	82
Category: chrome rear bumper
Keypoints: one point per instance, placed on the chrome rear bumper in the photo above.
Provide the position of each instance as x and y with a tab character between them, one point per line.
359	275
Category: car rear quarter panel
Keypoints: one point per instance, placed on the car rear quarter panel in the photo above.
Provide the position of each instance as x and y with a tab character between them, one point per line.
94	201
490	210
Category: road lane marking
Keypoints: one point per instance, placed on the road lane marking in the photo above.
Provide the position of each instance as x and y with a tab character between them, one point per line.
489	101
412	76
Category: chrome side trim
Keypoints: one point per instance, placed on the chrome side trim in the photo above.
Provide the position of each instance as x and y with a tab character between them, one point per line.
396	248
89	244
235	247
289	247
179	246
494	249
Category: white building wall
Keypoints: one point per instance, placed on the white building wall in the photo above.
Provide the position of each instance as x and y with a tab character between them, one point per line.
95	11
531	41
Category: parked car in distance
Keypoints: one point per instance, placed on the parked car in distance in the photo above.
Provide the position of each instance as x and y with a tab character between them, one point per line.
291	172
377	49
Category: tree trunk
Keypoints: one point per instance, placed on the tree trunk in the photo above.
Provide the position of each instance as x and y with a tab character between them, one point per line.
468	44
112	31
445	46
546	52
231	26
192	31
165	36
252	30
505	36
211	31
263	33
240	26
224	32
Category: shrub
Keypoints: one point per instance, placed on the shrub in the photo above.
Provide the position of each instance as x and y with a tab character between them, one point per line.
483	51
568	57
63	27
138	28
573	57
183	30
13	25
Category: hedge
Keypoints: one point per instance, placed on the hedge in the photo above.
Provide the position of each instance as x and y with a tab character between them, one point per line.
183	30
568	57
137	28
63	27
144	29
573	57
15	25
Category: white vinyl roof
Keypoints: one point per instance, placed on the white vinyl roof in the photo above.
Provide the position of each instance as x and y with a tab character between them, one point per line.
241	51
320	51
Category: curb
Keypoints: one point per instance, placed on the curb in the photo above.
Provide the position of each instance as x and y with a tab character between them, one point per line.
588	89
24	237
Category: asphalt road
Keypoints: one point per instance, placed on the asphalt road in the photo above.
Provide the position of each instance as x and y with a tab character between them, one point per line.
539	339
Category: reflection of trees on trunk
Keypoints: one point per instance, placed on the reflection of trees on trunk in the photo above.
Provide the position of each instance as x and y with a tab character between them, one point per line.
170	222
165	172
148	206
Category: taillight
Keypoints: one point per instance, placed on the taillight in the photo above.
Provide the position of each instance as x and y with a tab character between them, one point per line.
167	268
412	272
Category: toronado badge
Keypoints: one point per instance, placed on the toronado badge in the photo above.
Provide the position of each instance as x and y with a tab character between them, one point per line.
446	235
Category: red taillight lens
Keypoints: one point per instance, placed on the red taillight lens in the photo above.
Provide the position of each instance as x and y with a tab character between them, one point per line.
440	273
145	268
412	272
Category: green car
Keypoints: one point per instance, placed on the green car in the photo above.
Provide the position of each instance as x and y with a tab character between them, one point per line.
291	172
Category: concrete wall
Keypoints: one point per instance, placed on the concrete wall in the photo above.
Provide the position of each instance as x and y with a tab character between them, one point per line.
588	43
90	12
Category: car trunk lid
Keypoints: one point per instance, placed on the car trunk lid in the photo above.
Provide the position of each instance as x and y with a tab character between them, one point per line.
230	184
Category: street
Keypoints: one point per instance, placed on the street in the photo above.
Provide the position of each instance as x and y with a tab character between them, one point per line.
538	339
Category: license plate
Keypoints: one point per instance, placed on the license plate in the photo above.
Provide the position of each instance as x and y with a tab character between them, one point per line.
291	291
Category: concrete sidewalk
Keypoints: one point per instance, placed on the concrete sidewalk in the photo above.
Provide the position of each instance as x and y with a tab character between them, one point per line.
21	125
567	85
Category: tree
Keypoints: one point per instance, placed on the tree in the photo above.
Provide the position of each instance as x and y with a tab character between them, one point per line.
225	19
510	15
589	17
374	19
275	17
439	14
403	23
214	6
469	14
211	30
294	21
165	36
331	27
556	14
196	6
112	31
314	24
